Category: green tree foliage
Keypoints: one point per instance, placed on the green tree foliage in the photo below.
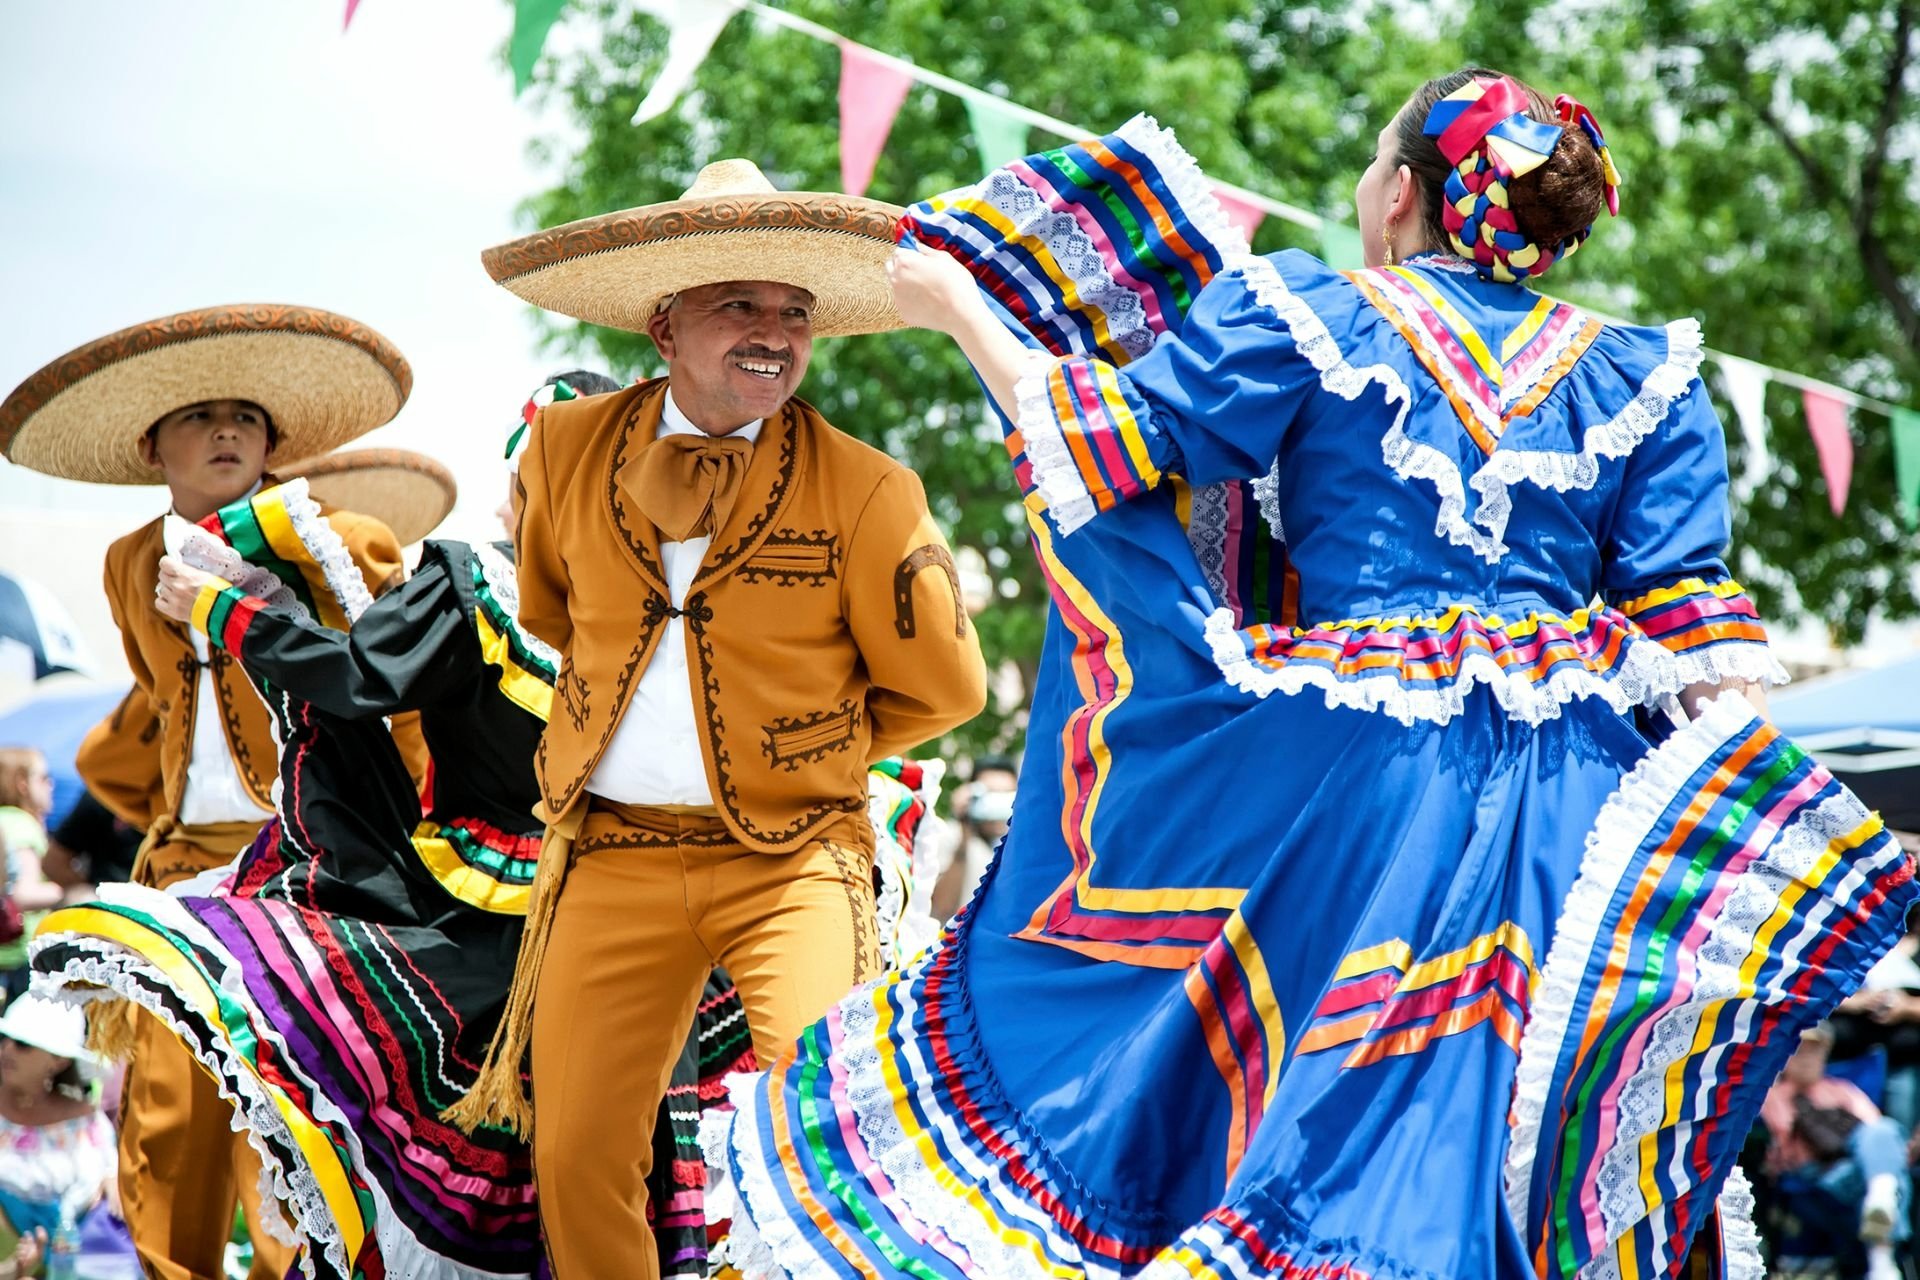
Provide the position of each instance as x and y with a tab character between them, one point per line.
1771	151
1767	149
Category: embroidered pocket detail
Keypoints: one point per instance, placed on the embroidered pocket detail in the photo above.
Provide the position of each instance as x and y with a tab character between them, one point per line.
814	737
789	558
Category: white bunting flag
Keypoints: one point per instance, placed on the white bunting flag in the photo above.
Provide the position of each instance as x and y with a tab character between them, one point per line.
1746	387
693	26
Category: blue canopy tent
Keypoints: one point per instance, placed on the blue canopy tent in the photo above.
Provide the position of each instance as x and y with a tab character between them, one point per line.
1865	726
55	719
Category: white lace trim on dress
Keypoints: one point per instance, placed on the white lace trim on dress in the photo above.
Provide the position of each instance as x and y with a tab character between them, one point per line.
322	541
1646	673
1617	437
503	580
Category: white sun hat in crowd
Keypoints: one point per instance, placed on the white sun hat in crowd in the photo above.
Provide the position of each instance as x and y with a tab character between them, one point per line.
59	1029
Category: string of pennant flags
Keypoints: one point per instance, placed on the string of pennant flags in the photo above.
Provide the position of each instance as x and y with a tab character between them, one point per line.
874	86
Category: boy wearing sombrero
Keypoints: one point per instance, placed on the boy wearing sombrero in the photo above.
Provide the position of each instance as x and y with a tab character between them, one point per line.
752	607
198	401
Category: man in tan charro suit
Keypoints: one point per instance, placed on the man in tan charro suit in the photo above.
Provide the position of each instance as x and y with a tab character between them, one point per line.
753	606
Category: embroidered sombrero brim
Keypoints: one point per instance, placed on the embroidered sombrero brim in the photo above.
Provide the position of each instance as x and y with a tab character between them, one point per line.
615	269
324	379
408	492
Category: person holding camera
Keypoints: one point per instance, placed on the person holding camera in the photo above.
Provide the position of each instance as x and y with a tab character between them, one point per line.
982	809
1833	1151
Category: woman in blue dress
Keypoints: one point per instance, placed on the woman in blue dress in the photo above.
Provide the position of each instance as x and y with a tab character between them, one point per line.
1372	908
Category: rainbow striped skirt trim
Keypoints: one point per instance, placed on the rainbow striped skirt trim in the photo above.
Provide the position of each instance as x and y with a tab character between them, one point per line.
276	1003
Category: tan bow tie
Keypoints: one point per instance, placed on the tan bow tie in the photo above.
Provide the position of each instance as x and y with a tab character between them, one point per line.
687	483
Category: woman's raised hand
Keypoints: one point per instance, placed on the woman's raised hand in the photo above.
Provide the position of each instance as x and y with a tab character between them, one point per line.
178	588
930	289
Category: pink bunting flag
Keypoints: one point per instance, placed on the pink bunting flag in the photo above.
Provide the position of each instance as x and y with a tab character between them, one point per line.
1245	216
348	20
871	91
1827	424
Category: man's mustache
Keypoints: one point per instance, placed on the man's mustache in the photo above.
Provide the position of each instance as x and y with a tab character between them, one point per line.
763	353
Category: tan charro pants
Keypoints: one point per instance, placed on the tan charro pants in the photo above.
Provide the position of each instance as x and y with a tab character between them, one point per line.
181	1165
654	900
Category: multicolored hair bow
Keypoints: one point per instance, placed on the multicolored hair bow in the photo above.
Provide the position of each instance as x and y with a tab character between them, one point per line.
1483	130
546	395
1571	112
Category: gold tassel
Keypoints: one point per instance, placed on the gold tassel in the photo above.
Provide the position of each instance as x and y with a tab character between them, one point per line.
110	1028
497	1098
110	1020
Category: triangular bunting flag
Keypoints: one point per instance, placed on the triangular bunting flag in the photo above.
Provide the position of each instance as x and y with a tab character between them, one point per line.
871	91
1746	387
692	27
1906	462
532	19
1243	214
1000	135
1827	424
348	20
1340	247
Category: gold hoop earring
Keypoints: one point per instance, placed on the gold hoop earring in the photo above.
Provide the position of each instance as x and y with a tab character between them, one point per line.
1386	238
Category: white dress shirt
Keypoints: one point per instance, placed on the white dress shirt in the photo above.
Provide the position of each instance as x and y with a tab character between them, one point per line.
654	757
214	791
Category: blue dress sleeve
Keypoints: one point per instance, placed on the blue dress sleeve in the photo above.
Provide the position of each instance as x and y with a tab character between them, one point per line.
1663	564
1209	403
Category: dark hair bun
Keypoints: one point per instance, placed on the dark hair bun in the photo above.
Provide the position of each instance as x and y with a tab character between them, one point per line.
1553	206
1564	196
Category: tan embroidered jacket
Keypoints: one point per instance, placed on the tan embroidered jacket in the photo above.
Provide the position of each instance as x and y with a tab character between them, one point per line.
824	629
135	761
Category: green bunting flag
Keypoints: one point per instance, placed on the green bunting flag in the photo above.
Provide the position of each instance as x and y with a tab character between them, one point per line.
1340	247
532	19
1906	462
999	135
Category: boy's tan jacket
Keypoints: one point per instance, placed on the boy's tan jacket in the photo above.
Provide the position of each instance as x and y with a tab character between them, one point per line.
135	761
824	629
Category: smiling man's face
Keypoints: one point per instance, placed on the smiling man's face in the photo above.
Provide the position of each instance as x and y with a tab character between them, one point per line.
735	352
209	453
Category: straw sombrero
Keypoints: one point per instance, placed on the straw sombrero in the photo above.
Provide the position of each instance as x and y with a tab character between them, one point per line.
408	492
732	224
322	378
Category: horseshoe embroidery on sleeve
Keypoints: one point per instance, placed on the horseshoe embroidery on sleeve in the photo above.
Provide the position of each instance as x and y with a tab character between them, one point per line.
922	558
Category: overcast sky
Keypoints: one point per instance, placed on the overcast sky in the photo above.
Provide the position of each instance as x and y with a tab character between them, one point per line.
158	155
